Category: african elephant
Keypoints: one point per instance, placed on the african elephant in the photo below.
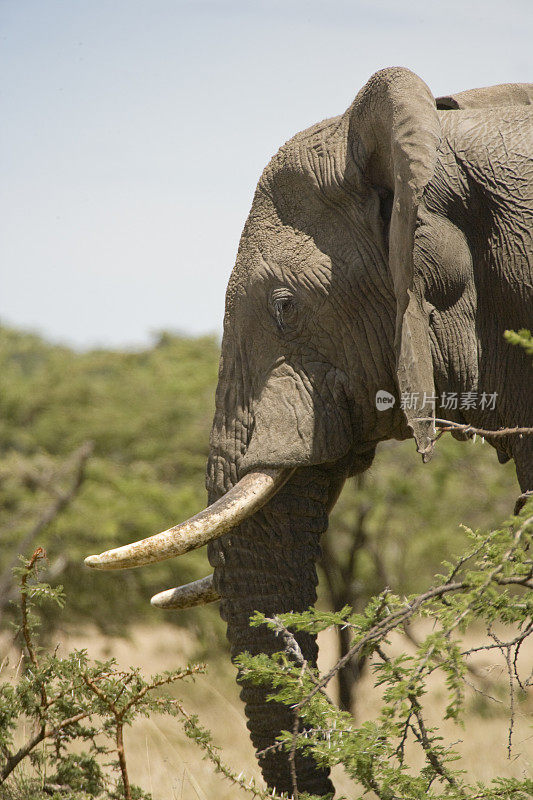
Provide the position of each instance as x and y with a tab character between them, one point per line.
386	250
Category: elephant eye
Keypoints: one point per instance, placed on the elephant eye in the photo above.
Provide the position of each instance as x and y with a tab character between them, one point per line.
284	308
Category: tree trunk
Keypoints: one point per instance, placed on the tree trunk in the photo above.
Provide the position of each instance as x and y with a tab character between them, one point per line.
349	674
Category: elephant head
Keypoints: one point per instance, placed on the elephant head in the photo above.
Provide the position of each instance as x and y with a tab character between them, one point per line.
322	313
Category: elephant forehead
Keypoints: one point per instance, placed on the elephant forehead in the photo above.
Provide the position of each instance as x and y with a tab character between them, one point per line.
293	259
318	153
277	254
303	222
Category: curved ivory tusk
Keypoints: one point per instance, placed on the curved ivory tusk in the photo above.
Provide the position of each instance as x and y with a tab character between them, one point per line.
243	500
197	593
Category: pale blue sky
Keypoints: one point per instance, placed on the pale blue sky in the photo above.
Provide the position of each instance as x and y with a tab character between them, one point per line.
134	133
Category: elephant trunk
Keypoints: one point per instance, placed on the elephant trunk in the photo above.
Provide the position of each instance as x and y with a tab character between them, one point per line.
268	564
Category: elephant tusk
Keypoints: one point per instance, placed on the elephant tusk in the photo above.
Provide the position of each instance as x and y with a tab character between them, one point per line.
197	593
239	503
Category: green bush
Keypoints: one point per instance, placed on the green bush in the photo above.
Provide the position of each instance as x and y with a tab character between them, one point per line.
490	584
148	416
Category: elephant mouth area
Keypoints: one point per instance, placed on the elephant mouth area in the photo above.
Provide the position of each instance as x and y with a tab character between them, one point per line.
353	462
362	460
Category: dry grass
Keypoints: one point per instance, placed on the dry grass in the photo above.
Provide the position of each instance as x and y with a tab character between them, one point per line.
163	761
483	742
160	758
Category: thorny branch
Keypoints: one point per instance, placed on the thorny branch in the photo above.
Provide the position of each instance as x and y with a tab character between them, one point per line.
382	628
294	743
292	648
378	632
61	502
45	731
118	697
211	752
38	555
421	734
119	712
446	425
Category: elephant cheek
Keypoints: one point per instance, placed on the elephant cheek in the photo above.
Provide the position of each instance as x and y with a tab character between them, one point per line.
296	425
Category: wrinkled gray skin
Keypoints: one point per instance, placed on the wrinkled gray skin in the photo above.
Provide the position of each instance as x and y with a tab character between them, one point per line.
388	248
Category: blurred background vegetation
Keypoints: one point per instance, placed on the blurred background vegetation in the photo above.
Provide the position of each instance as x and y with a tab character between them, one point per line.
100	448
148	414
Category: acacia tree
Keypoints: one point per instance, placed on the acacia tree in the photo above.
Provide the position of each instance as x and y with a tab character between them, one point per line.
53	705
491	584
403	514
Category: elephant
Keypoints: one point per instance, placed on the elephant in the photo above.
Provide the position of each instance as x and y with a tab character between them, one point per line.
385	253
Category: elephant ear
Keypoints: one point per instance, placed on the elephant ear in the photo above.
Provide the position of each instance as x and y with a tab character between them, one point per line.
504	94
394	133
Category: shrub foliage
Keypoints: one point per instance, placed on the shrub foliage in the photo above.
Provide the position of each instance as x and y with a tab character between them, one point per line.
490	586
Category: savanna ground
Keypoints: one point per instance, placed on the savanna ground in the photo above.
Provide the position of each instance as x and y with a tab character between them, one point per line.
161	760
